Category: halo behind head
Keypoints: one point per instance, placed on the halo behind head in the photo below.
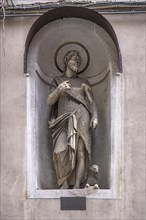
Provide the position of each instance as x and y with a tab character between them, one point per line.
65	48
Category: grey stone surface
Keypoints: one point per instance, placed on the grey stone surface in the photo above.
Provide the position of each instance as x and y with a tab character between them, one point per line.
130	30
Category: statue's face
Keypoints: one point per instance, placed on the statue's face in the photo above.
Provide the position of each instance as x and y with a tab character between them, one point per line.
74	64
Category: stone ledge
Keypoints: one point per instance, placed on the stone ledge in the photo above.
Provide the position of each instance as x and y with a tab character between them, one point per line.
88	193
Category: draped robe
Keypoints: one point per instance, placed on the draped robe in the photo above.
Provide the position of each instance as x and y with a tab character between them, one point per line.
69	121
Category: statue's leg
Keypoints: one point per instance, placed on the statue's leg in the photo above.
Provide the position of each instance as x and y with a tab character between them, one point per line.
61	159
80	168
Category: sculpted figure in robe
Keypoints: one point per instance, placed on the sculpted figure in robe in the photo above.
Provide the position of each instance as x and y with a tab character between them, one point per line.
73	116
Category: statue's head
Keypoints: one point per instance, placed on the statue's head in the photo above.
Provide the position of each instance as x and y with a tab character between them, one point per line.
73	59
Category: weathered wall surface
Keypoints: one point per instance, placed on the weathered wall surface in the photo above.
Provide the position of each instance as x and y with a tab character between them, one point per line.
131	33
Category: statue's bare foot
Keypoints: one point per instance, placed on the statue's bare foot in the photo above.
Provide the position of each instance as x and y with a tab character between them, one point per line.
64	186
76	186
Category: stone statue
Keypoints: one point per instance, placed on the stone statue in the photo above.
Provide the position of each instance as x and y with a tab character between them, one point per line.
73	115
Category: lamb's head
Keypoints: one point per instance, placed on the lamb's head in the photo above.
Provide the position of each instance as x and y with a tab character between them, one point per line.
94	168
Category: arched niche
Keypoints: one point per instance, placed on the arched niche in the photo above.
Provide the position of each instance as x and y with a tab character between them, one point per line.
92	30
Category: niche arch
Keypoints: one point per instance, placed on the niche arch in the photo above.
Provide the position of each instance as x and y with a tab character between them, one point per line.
46	34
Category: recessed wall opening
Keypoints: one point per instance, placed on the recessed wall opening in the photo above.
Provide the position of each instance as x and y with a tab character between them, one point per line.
103	75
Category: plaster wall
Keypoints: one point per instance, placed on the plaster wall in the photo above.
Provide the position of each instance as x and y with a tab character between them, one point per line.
131	33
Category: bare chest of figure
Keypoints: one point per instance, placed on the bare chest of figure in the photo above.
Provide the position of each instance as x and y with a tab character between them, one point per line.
74	82
66	103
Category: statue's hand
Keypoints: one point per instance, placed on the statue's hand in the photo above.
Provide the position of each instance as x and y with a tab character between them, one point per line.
64	86
94	122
